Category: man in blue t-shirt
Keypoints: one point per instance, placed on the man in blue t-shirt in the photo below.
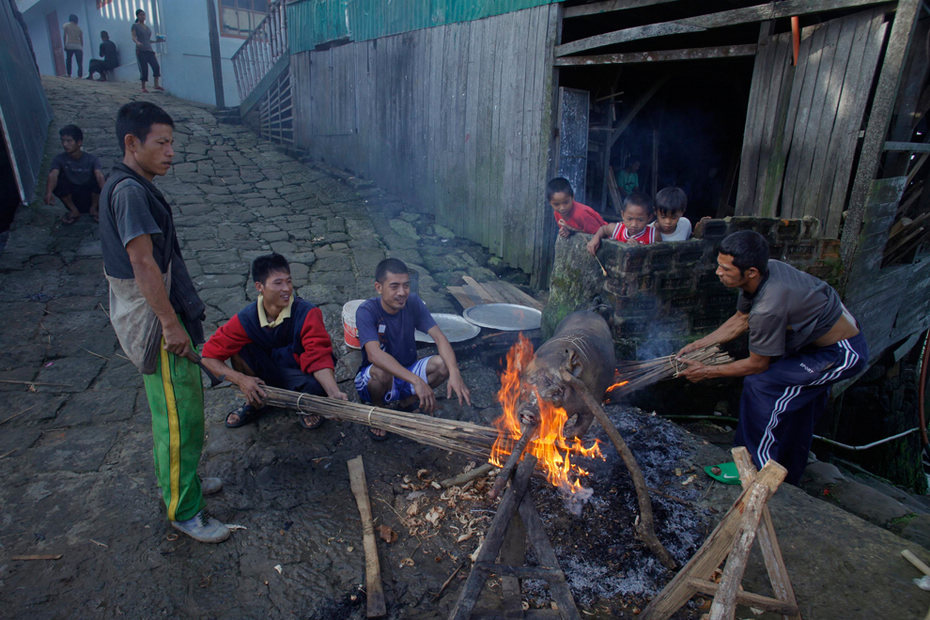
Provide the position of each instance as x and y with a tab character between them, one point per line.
75	177
390	372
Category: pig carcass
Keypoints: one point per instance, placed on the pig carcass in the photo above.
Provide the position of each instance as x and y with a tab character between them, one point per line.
582	347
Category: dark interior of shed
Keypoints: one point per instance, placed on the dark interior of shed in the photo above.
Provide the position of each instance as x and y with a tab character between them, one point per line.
688	133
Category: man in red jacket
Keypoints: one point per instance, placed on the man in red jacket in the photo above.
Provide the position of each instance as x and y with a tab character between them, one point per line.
278	340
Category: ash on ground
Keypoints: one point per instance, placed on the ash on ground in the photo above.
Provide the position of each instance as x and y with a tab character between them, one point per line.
608	569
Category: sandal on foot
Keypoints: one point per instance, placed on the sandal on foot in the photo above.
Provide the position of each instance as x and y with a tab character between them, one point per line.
244	414
372	432
69	219
310	422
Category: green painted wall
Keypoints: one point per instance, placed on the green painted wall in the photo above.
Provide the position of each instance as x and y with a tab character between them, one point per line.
316	22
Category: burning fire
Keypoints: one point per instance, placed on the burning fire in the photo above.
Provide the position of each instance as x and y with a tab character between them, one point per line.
549	445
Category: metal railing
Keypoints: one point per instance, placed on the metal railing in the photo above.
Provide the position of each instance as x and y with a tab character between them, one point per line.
262	50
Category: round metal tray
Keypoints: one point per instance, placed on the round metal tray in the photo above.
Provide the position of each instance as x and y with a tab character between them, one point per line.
504	317
454	327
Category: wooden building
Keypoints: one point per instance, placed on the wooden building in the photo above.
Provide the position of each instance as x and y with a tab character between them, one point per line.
776	109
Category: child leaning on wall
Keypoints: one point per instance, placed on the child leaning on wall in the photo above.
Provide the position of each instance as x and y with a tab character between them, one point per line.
570	215
671	203
634	226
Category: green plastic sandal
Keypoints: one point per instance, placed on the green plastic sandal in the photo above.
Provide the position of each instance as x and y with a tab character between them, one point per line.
723	472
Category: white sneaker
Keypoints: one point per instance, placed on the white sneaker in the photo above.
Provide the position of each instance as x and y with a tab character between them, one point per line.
203	528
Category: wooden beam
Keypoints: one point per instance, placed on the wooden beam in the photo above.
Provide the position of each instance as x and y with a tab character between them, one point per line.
639	105
886	92
700	23
609	6
913	147
630	58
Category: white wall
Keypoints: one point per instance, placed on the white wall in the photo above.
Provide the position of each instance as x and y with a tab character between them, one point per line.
184	56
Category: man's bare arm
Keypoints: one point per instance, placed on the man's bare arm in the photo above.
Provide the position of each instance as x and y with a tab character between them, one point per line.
455	382
50	185
149	279
730	329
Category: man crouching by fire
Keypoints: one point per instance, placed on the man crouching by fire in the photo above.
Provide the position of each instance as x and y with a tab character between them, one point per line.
390	372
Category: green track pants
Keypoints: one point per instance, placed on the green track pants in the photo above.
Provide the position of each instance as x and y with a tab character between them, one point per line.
175	395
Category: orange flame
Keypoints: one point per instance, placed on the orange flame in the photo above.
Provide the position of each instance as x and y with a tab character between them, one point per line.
549	445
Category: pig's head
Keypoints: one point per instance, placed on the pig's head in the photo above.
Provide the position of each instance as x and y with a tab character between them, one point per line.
545	378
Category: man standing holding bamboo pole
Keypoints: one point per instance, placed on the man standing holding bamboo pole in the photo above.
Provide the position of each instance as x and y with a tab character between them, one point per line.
390	372
801	340
157	313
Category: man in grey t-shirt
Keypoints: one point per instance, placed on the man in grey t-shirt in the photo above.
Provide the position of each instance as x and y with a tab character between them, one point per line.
801	340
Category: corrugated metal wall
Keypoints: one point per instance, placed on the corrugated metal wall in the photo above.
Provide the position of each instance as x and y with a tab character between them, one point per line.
24	110
314	22
456	119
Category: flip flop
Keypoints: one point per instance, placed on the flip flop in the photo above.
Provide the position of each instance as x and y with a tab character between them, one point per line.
246	413
303	420
371	433
68	219
723	472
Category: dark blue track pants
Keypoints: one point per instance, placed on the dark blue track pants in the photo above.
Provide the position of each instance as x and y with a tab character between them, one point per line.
779	407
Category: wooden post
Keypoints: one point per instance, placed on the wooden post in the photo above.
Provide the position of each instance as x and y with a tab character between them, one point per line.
373	590
215	58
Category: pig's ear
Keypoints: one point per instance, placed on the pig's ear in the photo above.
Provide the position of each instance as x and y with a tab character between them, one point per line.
572	363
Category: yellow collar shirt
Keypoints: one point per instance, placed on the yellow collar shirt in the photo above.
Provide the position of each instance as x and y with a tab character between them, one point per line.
284	314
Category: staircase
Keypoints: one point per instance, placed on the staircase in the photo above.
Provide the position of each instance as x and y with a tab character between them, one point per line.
262	73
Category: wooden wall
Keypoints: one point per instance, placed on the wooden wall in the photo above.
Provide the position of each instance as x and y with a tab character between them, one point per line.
455	119
803	122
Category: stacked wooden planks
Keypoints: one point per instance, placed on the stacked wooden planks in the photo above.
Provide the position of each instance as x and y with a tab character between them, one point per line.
473	293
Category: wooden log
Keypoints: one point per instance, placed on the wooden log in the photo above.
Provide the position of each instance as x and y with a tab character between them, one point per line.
630	58
724	605
373	589
526	433
558	586
645	528
477	472
493	541
768	542
48	556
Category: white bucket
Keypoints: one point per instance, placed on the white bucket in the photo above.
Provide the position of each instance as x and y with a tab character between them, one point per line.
349	330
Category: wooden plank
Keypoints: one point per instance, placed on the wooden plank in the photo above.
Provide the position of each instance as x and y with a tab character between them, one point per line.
547	153
532	197
374	593
472	94
805	103
803	202
886	90
772	147
747	599
511	235
823	164
609	6
632	58
752	128
460	210
465	299
851	112
910	147
700	23
482	292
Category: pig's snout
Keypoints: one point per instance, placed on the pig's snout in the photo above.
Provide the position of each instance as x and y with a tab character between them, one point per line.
528	410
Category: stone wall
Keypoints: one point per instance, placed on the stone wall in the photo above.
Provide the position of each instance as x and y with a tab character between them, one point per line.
661	296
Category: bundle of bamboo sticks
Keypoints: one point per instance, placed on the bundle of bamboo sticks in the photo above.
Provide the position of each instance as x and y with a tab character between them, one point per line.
638	374
457	436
